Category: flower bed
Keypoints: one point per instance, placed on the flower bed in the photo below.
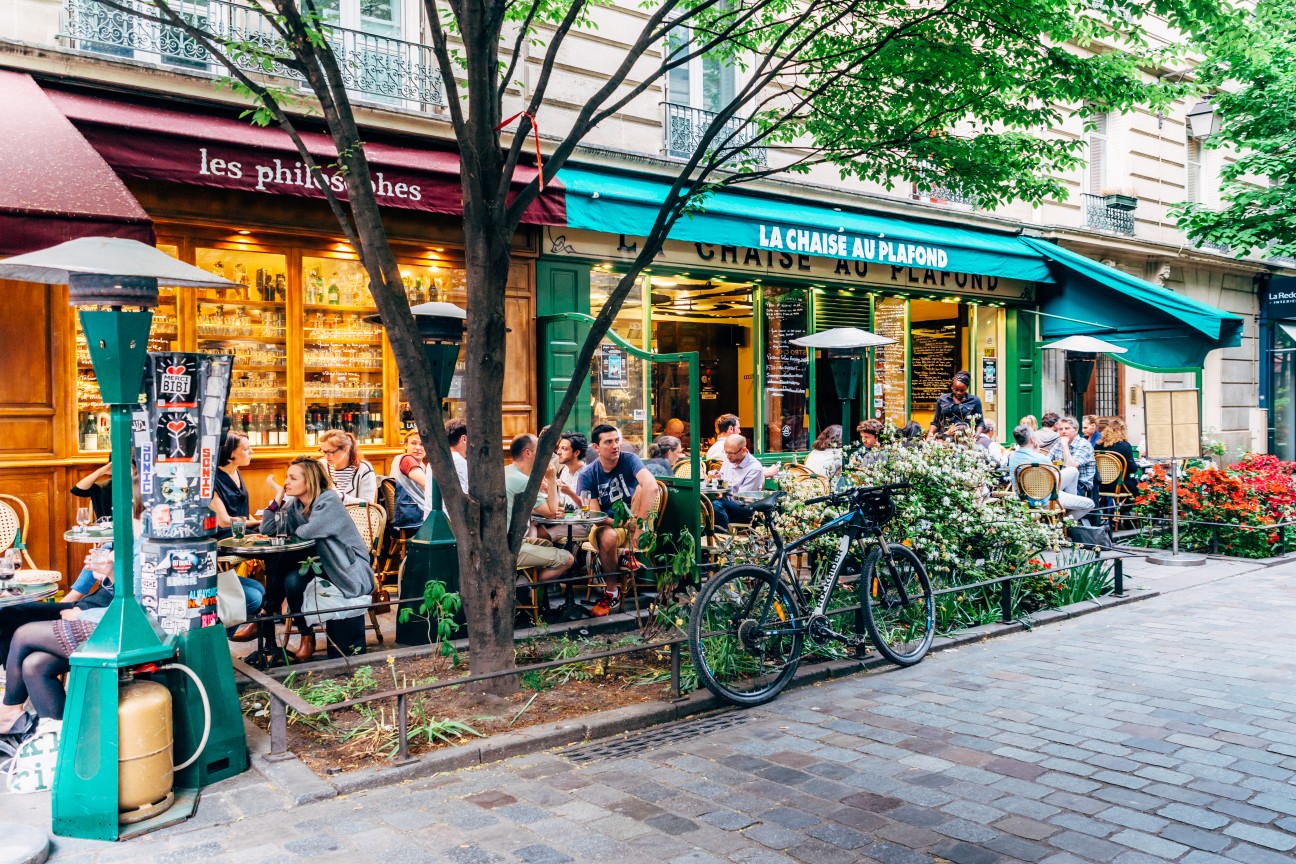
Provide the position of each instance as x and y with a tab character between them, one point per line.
1248	503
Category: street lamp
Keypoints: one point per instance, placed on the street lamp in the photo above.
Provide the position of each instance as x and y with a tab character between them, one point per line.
845	347
432	552
123	276
1203	120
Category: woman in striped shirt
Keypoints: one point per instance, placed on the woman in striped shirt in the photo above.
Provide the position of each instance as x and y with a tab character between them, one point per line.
353	478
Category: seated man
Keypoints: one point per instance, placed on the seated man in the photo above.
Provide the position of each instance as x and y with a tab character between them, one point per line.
1033	448
725	425
552	561
615	476
1073	450
741	472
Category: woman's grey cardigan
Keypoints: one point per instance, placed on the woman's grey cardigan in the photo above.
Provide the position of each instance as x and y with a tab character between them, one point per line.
338	544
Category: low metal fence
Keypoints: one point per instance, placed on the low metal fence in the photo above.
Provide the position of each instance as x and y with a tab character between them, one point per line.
1153	532
282	697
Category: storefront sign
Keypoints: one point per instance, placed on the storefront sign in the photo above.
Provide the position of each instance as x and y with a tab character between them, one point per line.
898	267
1278	299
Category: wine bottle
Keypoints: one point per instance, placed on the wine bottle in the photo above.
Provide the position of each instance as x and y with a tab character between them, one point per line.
282	422
247	426
333	297
89	434
362	426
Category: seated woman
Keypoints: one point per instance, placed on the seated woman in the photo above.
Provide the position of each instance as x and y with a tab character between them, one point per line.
825	456
351	476
38	651
663	454
308	507
99	494
410	471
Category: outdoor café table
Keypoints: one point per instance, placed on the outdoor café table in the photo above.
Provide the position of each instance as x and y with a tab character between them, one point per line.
570	611
28	596
94	535
262	550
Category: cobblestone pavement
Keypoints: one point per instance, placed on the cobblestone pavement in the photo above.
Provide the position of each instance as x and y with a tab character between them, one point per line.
1159	731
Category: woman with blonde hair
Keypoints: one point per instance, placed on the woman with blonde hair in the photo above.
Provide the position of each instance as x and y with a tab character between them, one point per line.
1029	420
352	477
307	507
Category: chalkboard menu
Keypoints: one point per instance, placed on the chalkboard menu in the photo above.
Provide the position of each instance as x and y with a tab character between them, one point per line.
935	355
787	369
890	377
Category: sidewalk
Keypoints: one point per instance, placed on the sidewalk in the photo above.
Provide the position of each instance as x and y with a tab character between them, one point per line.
276	788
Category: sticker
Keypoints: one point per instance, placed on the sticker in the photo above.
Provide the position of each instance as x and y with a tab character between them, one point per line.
175	380
176	435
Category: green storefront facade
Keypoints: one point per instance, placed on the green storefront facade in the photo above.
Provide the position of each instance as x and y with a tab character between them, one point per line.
741	278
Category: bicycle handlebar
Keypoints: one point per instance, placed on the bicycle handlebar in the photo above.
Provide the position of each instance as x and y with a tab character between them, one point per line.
859	490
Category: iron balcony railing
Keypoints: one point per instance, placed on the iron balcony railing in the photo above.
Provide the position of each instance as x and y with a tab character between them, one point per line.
378	67
933	191
685	128
1100	214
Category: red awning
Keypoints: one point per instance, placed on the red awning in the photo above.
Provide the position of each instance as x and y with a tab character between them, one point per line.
53	185
157	143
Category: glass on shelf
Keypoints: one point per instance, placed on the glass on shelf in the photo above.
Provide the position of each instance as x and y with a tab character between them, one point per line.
92	415
249	322
342	354
427	283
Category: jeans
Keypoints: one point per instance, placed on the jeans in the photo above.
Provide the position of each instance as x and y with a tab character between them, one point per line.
728	511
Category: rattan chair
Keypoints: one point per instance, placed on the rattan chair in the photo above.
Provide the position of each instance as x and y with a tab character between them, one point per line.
1037	485
683	469
798	470
391	548
807	485
656	515
1112	472
14	521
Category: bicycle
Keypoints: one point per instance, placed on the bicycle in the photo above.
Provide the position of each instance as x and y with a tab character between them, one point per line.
749	622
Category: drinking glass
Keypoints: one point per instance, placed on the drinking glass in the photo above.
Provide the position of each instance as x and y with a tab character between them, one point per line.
7	571
585	504
238	527
83	517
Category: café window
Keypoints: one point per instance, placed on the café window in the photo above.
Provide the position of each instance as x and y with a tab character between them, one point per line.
786	373
427	281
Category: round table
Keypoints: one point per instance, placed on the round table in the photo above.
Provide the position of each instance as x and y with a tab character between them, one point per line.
570	611
28	597
89	538
243	547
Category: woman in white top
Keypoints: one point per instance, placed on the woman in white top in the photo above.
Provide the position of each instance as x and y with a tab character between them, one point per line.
352	477
825	454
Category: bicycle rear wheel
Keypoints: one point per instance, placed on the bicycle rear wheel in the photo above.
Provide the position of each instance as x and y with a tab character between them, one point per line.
899	610
743	635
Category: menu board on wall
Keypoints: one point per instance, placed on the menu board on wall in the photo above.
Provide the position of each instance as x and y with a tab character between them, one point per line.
1173	424
787	370
890	375
934	352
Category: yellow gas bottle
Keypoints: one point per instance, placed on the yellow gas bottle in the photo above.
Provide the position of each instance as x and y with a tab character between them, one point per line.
144	769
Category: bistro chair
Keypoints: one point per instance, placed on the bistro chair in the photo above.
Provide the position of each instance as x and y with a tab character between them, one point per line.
1038	485
14	521
806	485
656	515
714	543
1113	472
796	469
391	548
684	469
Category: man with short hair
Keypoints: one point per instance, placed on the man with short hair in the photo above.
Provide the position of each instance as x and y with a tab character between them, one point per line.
611	477
726	425
457	435
741	472
1089	429
552	561
674	428
1074	451
1049	419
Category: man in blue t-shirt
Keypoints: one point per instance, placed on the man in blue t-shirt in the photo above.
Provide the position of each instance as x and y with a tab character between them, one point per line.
615	476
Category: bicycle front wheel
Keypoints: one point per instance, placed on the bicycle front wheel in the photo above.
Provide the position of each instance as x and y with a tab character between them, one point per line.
899	611
744	636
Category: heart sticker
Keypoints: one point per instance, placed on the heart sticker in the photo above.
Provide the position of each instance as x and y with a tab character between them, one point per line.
177	426
175	370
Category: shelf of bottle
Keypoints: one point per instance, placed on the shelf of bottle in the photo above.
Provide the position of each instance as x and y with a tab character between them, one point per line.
330	307
358	396
241	399
240	301
256	367
241	337
312	339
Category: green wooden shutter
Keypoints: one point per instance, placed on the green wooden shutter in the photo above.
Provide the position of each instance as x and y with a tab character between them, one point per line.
562	286
1022	387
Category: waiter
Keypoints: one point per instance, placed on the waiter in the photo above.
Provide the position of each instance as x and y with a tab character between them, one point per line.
956	406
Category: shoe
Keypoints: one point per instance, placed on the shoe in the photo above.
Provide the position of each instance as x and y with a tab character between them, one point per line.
305	650
21	727
604	605
245	633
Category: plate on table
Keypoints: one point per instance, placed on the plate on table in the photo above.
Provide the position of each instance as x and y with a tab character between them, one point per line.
35	578
99	529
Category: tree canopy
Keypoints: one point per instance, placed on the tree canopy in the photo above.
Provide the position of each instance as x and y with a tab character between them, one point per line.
1250	72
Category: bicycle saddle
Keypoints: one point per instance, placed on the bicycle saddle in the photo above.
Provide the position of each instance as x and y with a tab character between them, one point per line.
768	504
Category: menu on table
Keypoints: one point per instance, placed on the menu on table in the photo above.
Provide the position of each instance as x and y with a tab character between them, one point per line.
935	354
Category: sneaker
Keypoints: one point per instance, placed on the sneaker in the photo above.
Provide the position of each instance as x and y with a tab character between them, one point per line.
605	604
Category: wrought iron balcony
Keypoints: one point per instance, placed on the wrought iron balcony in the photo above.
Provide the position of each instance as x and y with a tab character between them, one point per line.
378	67
685	128
1101	214
936	193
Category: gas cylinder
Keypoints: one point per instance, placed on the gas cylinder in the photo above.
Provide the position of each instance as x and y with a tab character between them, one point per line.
144	769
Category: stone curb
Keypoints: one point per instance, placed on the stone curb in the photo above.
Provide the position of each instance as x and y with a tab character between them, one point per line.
1144	551
303	785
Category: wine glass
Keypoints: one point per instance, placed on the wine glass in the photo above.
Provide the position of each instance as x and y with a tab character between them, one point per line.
83	517
6	571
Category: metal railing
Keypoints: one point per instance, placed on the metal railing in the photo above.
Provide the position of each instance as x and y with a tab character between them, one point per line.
1198	535
685	128
380	67
281	697
932	190
1098	214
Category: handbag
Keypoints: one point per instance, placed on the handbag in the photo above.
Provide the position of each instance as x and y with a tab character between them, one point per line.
1091	535
231	602
32	769
321	601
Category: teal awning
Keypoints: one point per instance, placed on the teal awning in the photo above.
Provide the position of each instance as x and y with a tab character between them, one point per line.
1161	329
619	204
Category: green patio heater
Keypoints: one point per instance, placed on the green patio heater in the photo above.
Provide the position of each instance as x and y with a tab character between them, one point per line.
114	282
845	347
432	552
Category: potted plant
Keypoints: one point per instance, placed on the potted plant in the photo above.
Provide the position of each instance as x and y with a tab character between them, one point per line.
1120	199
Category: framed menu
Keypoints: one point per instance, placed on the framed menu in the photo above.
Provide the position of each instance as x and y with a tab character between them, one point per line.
787	370
934	354
1173	423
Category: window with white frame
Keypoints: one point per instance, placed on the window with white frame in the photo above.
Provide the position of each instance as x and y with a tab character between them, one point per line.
706	82
1193	169
1096	172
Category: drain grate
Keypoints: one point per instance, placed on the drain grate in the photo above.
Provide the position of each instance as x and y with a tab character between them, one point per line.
659	736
